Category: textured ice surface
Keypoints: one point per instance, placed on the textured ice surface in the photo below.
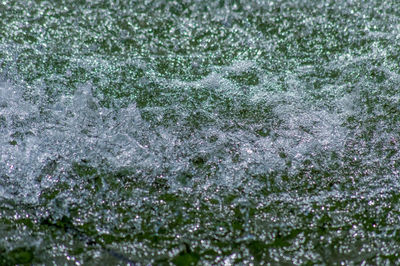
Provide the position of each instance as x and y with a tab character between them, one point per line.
43	142
189	132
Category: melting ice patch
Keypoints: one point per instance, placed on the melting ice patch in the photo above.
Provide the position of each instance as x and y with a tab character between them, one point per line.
43	143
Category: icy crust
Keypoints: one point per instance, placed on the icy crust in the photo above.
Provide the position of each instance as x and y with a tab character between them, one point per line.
211	132
206	148
43	142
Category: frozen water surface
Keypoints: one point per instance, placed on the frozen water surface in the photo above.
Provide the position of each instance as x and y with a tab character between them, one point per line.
199	132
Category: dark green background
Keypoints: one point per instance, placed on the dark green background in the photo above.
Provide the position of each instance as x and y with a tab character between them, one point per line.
199	132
